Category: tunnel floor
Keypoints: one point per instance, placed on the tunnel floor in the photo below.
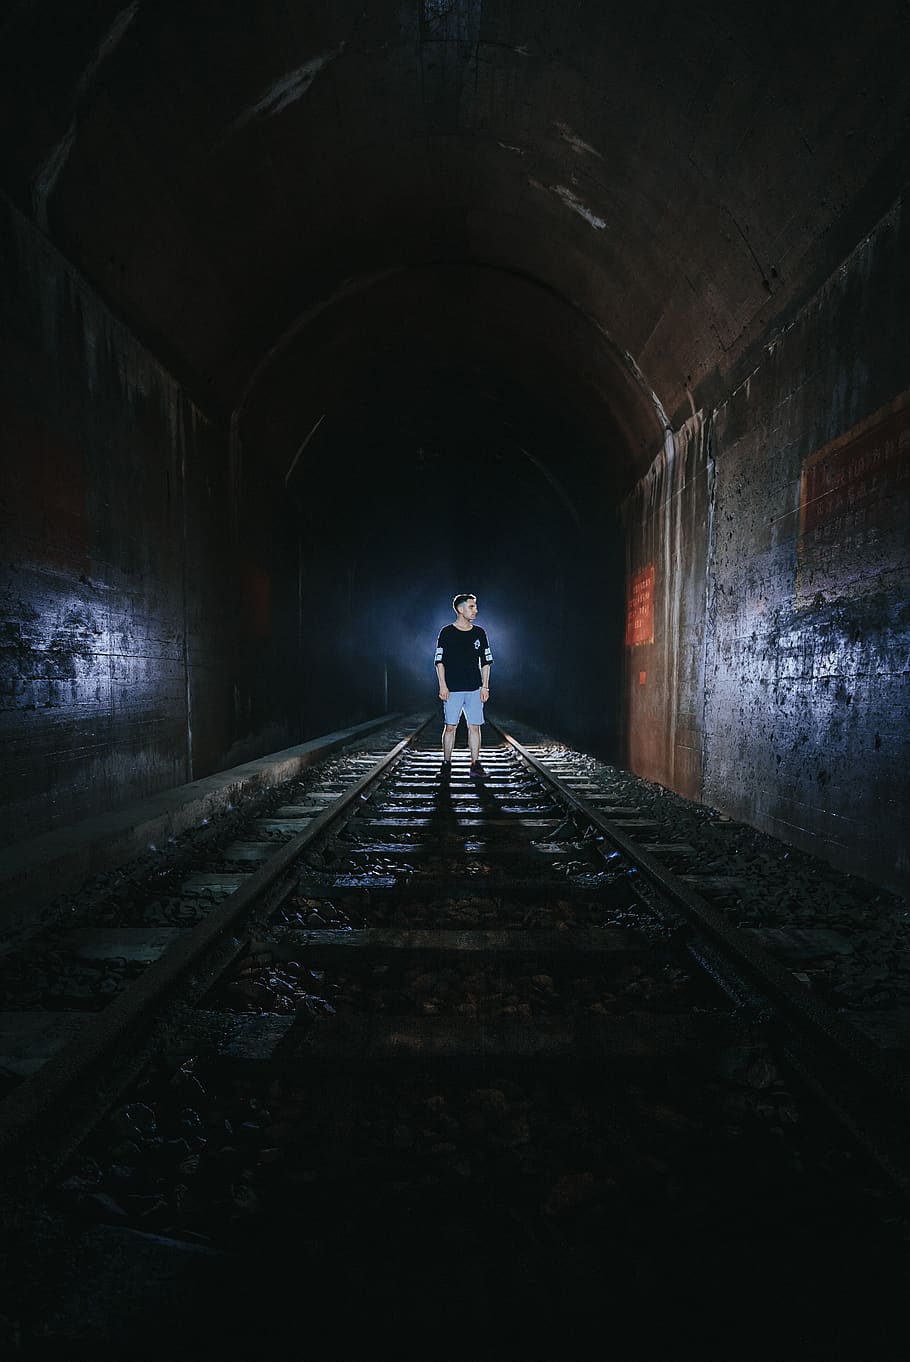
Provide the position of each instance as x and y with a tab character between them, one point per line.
698	1200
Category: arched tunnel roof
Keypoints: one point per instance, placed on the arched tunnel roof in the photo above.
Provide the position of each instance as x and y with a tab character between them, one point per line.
625	198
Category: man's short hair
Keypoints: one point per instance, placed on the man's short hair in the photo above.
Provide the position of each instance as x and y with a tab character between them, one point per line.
462	597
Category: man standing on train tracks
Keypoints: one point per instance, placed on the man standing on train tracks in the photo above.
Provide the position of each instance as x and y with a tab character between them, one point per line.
463	661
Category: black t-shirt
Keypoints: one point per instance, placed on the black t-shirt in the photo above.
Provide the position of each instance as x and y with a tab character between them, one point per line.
463	652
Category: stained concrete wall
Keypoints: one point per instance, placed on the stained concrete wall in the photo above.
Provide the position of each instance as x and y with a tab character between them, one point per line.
128	625
666	525
786	514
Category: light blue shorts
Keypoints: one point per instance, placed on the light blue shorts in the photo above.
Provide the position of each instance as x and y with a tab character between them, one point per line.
467	700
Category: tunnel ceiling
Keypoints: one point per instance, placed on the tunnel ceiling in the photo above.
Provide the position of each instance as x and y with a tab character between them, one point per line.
498	359
628	196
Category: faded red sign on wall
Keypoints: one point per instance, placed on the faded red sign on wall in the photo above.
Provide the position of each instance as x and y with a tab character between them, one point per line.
46	494
640	607
259	601
854	507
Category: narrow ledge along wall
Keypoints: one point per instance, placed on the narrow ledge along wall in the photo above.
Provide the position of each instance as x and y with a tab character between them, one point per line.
768	567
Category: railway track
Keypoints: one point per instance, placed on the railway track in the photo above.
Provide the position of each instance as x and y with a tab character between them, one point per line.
473	1036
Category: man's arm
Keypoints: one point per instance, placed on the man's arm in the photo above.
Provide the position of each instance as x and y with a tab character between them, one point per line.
485	664
440	668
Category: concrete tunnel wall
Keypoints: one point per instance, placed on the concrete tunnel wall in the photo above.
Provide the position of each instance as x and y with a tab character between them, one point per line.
156	559
769	581
136	625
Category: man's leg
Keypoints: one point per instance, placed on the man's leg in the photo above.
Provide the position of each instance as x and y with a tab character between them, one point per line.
473	713
448	740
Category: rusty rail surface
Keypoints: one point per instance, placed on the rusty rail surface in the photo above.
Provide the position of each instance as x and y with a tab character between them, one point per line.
93	1068
861	1085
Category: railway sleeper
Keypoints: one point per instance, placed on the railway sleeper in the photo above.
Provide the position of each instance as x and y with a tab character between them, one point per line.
579	946
363	1044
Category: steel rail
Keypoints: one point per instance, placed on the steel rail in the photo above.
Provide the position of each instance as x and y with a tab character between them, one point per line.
74	1066
866	1091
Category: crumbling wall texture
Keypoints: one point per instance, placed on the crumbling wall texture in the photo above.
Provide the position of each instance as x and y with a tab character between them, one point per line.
116	590
776	684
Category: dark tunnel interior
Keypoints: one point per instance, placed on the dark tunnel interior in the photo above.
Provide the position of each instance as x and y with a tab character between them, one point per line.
315	315
451	450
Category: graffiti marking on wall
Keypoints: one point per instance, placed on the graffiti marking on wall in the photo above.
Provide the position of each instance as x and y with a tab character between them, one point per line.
854	508
640	608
